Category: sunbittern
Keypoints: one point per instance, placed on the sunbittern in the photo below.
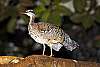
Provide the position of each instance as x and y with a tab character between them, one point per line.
50	34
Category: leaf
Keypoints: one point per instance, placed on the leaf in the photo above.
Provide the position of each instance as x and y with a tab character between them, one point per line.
39	9
11	25
83	18
45	15
56	1
3	15
76	18
97	15
97	43
25	18
87	21
79	5
45	2
55	18
11	11
63	10
64	1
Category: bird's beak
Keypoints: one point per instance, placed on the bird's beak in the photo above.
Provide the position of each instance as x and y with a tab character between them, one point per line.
24	13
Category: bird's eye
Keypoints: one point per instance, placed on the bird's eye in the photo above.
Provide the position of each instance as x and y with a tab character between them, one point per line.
48	39
54	39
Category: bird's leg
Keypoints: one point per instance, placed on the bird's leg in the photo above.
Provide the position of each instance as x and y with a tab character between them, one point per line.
43	48
51	51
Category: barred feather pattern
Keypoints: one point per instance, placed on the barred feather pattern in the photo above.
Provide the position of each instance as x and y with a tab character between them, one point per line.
69	44
46	33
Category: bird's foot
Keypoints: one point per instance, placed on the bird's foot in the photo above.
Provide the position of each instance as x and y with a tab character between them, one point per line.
51	55
43	55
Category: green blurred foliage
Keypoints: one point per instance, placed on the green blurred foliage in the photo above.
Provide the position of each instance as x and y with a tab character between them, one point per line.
97	14
8	11
79	5
11	25
82	15
86	13
52	11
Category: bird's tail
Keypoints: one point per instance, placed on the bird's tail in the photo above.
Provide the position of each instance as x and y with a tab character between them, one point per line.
69	44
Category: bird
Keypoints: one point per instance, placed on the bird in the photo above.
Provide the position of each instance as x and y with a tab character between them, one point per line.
49	34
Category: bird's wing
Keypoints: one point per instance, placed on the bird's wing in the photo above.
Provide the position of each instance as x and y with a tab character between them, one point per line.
57	36
57	46
46	27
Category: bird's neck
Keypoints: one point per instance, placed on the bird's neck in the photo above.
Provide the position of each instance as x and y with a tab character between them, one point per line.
31	19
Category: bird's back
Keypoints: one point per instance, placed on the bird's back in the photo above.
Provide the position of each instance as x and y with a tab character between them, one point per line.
48	33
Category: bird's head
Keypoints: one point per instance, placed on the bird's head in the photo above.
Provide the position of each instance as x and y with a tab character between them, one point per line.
29	13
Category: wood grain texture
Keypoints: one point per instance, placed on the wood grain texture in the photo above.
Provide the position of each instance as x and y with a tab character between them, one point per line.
46	61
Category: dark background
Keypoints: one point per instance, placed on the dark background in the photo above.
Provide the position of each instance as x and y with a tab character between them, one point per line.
82	24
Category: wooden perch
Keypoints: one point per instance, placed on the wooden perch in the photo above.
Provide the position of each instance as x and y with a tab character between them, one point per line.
45	61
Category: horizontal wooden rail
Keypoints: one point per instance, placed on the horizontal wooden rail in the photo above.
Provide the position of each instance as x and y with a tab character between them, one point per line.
45	61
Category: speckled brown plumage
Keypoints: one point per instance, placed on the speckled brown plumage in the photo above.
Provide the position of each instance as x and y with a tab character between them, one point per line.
52	35
47	33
